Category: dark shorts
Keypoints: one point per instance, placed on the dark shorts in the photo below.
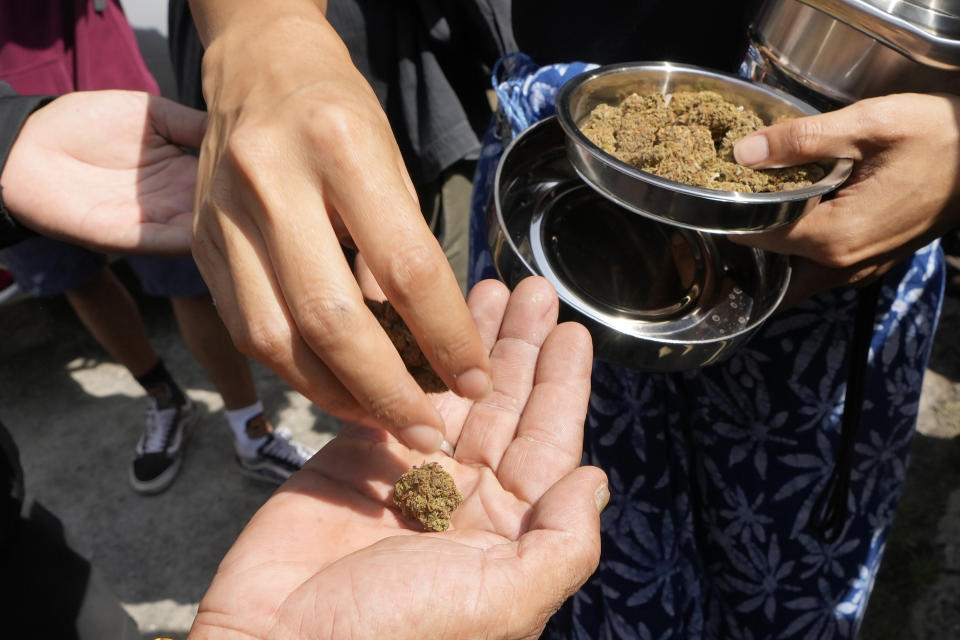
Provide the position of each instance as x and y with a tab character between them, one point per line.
46	267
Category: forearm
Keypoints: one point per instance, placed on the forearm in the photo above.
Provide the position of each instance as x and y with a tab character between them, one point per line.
213	17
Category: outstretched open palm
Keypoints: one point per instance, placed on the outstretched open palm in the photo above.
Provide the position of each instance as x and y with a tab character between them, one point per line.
105	169
329	556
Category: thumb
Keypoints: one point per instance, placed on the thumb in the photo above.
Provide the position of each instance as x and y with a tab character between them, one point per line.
562	547
177	123
802	140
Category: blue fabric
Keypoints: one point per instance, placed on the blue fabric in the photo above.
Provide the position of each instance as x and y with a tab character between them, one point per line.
713	472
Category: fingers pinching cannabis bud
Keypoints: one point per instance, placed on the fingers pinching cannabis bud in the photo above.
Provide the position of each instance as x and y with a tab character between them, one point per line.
404	342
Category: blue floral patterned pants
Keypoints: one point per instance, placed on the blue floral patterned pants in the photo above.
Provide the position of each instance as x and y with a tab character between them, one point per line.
714	472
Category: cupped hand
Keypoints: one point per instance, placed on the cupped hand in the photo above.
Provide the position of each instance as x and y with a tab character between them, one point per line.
105	169
329	556
903	193
300	158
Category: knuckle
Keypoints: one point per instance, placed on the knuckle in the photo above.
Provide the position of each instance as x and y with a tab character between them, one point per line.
879	122
412	268
263	340
835	257
331	126
839	257
838	249
454	348
327	321
244	149
884	126
803	136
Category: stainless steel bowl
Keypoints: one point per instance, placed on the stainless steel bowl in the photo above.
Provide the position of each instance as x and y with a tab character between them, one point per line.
834	52
673	202
654	296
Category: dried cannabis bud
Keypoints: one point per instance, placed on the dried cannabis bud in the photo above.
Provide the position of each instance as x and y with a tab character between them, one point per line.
404	342
427	493
689	138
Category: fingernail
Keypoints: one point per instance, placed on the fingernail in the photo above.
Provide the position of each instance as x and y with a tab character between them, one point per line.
474	383
422	438
602	496
751	150
447	448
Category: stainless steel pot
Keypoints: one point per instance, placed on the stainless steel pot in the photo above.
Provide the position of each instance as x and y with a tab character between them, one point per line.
833	52
658	291
654	296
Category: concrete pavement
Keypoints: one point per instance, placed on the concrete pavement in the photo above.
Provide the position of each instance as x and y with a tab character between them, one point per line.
76	417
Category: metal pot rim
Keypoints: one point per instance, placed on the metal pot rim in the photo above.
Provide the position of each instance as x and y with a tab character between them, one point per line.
676	343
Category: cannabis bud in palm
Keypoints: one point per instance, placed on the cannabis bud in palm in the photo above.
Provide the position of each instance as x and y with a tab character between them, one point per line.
428	494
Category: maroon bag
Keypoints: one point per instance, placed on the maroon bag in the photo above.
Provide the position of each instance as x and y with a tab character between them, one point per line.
58	46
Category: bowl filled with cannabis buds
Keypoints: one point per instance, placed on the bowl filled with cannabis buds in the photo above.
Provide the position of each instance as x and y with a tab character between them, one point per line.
657	139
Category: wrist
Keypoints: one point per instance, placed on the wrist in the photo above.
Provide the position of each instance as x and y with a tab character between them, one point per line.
269	56
214	18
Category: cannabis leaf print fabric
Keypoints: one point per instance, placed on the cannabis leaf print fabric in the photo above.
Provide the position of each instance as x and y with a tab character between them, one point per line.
714	472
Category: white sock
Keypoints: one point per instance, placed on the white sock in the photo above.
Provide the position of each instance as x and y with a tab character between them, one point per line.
238	419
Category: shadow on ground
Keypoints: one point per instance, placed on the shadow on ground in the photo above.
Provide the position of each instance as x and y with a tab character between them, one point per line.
76	417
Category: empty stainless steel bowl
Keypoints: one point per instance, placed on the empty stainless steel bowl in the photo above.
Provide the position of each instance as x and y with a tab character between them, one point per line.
654	296
673	202
834	52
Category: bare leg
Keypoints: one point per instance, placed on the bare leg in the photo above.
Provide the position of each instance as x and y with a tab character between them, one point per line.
210	343
261	452
110	314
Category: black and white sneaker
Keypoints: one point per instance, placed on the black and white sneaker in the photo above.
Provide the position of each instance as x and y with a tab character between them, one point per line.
276	458
160	449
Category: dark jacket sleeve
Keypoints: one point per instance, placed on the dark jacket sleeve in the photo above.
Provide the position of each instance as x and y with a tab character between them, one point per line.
14	111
